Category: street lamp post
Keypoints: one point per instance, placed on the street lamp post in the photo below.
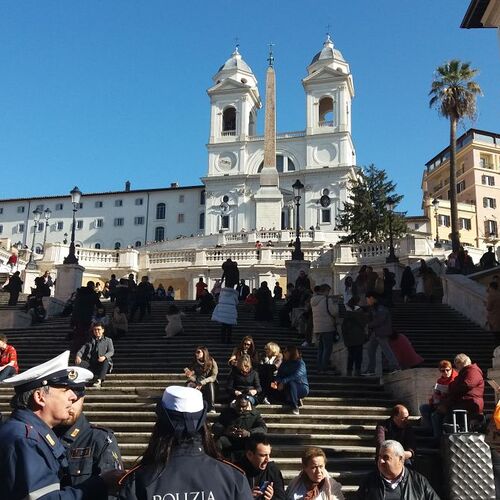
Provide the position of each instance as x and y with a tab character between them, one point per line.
435	204
46	214
318	212
75	200
389	204
36	217
297	253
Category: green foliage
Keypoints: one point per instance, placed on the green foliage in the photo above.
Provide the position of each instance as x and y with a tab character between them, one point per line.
365	217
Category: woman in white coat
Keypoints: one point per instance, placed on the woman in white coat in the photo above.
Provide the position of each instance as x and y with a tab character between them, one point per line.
226	314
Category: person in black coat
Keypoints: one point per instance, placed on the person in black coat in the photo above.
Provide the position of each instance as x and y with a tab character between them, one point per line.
243	380
14	288
263	475
90	449
235	424
390	467
230	273
407	284
354	335
181	456
97	354
86	301
264	306
243	291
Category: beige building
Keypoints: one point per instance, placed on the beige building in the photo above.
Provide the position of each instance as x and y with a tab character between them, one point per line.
478	189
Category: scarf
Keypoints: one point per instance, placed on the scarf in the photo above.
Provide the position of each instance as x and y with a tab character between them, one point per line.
313	489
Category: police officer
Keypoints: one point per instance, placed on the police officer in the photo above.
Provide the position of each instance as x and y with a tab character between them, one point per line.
32	460
89	449
179	460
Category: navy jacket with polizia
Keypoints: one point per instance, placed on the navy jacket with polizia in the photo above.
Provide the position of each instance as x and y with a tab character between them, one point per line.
33	461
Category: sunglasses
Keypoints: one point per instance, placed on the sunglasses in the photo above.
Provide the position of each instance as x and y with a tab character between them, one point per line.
442	370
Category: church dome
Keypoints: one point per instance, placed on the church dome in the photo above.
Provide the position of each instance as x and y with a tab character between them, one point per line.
328	52
235	62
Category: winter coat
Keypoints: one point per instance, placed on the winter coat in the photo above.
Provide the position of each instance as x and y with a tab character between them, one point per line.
354	327
293	370
329	490
85	302
381	322
225	311
264	306
493	309
407	282
323	315
203	377
243	382
405	353
251	421
414	487
467	390
96	348
387	429
256	477
441	388
174	325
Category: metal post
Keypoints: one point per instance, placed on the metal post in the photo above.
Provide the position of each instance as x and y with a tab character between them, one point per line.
36	217
297	253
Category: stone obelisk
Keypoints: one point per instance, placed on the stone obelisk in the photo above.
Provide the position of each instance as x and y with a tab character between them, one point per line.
268	198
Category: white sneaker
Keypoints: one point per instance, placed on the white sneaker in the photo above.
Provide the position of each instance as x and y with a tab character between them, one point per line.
304	344
97	384
295	411
266	401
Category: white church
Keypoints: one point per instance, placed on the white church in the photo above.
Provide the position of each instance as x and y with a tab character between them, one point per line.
178	234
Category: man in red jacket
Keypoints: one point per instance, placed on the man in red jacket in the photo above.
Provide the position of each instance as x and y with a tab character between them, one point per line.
8	359
466	392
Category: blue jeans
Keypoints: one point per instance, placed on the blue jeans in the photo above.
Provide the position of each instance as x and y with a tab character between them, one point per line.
8	371
432	419
373	345
294	391
325	347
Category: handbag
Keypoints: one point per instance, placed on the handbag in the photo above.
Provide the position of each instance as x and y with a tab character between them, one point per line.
336	334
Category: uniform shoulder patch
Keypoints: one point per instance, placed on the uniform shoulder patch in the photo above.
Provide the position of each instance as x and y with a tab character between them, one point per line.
231	464
128	473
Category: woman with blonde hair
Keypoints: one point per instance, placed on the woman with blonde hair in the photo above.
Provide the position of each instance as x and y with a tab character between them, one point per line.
202	375
270	362
244	380
314	482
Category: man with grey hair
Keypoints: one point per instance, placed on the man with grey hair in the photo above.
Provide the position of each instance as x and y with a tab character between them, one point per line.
466	392
392	480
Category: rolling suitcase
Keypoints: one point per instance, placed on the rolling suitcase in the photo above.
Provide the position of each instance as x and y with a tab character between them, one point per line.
467	468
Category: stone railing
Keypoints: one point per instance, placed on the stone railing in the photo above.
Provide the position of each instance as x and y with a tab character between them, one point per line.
238	255
172	257
283	135
97	256
235	237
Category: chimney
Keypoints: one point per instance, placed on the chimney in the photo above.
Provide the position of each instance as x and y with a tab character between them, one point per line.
174	184
127	186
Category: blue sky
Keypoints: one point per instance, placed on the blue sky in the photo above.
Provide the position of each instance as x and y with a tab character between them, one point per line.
97	92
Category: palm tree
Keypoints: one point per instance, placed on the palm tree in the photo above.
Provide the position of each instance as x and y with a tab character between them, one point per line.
454	94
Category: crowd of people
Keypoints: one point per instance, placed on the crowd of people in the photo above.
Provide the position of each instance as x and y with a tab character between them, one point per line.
49	399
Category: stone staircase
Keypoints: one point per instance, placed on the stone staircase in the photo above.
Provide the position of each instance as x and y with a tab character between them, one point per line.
339	415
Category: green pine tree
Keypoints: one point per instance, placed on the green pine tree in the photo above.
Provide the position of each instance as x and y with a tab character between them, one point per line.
365	216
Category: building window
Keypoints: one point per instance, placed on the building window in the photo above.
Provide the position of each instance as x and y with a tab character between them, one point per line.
444	220
484	162
464	224
160	211
283	164
118	203
180	218
138	221
20	210
118	245
138	243
139	201
99	223
159	233
98	204
1	210
202	221
326	112
79	224
181	198
488	180
1	229
489	203
20	228
59	225
225	222
40	227
97	246
80	205
491	228
326	216
460	186
119	221
229	121
202	197
40	207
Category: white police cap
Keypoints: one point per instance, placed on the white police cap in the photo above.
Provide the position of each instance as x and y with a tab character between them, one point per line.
53	372
182	399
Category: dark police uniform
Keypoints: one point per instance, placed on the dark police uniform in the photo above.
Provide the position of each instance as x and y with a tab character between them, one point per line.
190	474
90	450
33	462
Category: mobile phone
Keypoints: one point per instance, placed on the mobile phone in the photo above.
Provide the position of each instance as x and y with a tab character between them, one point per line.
264	485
